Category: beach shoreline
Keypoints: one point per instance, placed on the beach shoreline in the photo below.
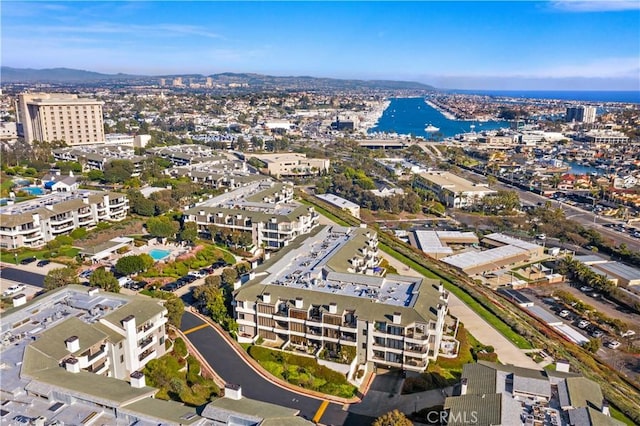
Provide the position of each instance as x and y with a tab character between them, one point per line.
441	110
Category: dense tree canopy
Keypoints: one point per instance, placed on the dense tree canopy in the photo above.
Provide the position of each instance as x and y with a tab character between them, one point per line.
60	277
104	279
162	227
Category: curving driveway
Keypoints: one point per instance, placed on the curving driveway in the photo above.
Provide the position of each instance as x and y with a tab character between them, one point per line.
233	369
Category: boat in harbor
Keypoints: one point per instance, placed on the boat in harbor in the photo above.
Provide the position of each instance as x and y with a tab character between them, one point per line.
431	128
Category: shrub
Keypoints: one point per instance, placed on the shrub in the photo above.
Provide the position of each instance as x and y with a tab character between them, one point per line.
180	348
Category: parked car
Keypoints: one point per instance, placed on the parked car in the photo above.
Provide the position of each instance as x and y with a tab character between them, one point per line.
586	289
628	333
583	324
564	313
28	260
43	262
614	344
597	333
16	288
86	274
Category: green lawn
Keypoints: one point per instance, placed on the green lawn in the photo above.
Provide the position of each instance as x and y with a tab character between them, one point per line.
66	251
498	324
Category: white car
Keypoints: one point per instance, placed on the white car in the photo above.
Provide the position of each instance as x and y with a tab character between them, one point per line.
583	324
613	345
13	289
597	333
628	333
564	313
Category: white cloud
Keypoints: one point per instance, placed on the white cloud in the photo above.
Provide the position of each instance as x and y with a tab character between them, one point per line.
595	5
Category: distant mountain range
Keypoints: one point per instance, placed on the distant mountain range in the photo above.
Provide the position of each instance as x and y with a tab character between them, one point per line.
68	75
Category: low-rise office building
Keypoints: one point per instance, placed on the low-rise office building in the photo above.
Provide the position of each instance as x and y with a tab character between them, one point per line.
352	208
504	251
330	294
451	190
264	209
292	164
437	244
35	222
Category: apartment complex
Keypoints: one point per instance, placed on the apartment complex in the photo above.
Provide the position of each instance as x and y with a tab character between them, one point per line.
35	222
76	353
292	164
95	157
329	293
60	117
581	114
451	190
495	394
264	209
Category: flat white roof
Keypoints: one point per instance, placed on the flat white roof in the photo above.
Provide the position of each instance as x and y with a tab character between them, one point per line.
454	183
337	201
471	259
506	239
571	334
619	270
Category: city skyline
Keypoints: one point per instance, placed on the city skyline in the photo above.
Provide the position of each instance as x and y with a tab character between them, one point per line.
562	45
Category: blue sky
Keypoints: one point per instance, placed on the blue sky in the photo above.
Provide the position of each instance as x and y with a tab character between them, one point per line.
581	45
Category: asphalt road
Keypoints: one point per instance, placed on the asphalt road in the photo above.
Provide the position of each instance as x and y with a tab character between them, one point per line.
21	276
232	368
576	214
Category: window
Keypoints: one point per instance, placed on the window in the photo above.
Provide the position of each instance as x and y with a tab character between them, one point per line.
121	359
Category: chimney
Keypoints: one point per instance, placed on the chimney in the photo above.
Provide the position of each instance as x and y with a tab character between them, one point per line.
299	302
93	291
441	288
333	308
562	365
85	199
19	300
72	365
266	297
72	344
137	380
397	317
605	407
232	391
463	386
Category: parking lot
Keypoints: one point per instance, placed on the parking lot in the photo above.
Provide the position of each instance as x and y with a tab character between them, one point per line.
626	363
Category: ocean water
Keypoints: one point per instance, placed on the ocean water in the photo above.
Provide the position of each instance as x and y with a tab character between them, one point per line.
411	116
565	95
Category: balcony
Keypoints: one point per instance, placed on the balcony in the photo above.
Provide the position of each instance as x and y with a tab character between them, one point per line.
100	369
62	229
416	349
348	337
146	356
117	203
31	238
60	221
146	342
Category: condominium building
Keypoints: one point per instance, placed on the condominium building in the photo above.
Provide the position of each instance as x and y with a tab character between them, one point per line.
495	394
581	114
330	294
612	137
95	157
263	208
74	356
60	117
35	222
451	190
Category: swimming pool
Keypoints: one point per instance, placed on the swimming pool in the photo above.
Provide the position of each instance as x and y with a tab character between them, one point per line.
159	254
32	190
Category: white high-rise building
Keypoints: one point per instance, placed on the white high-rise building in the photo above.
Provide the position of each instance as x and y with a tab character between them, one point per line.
581	114
60	117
